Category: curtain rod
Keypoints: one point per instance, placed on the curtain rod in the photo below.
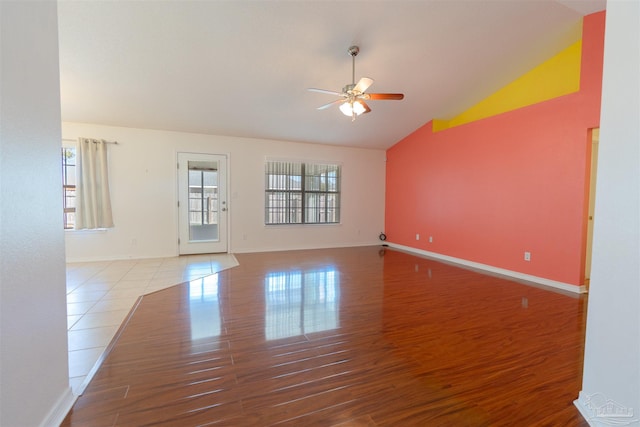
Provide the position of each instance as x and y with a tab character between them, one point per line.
75	140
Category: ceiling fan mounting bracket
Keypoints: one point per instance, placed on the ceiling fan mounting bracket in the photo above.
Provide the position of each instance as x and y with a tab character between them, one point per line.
354	50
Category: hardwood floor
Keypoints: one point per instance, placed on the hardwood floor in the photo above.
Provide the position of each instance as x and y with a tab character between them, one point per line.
343	337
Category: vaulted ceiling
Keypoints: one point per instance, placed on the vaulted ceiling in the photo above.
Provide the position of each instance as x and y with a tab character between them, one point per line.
242	68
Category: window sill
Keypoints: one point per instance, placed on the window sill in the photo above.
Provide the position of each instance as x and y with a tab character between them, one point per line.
321	224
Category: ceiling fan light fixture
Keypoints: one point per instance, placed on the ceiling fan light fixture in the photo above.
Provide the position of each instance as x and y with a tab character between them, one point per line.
351	108
358	108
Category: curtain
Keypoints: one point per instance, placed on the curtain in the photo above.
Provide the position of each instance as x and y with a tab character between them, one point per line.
93	204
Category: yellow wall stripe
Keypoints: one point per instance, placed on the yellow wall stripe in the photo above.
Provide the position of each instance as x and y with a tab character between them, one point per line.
555	77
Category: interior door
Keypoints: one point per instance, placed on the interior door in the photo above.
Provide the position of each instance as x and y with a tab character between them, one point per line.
202	203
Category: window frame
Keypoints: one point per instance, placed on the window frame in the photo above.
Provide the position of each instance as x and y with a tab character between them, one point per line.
68	225
304	193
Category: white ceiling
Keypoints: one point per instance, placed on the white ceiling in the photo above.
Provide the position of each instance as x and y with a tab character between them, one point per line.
242	68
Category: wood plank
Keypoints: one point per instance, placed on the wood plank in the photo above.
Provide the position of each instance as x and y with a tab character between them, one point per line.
341	337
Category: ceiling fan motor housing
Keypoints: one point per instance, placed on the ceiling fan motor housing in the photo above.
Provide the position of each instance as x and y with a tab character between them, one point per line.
348	88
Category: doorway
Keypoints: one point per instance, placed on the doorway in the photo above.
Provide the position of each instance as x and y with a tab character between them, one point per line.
595	140
202	203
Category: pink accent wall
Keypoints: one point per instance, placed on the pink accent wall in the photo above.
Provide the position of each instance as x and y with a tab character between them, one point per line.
490	190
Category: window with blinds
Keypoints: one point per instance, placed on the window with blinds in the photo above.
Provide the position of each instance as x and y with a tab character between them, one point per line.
302	193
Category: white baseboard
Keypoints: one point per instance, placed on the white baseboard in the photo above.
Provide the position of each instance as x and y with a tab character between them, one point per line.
304	247
491	269
115	258
599	411
586	413
60	410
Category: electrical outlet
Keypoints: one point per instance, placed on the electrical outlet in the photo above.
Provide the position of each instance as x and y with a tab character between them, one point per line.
417	236
430	239
527	256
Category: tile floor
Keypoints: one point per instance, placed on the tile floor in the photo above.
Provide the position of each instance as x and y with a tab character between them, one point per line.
101	294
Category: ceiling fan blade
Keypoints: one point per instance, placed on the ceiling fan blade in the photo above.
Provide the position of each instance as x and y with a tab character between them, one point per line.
366	107
363	84
383	96
325	106
328	92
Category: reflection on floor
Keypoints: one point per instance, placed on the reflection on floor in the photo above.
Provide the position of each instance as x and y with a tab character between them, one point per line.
362	336
101	294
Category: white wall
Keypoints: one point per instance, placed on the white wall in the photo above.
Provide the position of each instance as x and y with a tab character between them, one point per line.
612	350
34	384
144	194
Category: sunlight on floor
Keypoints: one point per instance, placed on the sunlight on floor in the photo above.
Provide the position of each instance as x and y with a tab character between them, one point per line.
101	294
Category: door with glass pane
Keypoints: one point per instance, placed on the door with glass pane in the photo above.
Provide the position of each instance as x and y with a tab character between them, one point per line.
202	203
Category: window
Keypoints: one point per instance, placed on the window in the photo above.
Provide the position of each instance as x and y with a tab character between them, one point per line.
203	202
302	193
69	186
203	197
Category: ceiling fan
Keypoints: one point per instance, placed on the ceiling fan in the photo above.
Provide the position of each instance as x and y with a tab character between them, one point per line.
353	96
